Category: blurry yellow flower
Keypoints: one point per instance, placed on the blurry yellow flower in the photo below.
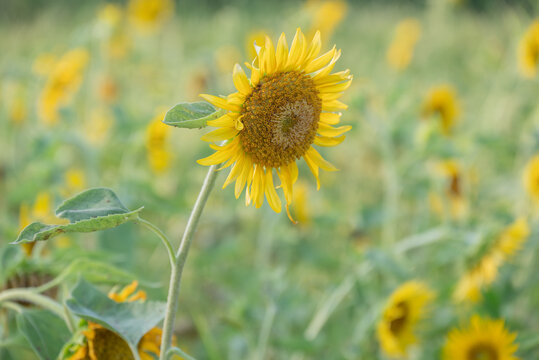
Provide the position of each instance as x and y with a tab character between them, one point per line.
485	271
75	181
98	125
442	102
529	51
404	309
326	16
457	202
289	104
401	50
111	15
40	211
257	37
484	339
531	178
226	57
157	135
150	14
101	343
63	82
44	64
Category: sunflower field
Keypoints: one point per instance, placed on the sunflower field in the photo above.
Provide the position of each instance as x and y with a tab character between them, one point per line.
289	180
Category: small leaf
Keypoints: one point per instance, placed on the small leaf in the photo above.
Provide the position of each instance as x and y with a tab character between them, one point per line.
92	210
192	115
130	320
45	332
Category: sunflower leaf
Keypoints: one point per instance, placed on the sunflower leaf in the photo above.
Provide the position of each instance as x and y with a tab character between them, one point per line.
45	332
130	320
192	115
92	210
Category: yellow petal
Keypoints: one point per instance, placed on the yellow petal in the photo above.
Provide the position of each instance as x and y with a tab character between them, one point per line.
321	61
271	194
234	172
269	56
220	134
257	186
319	160
327	69
286	183
247	167
329	96
215	158
314	49
313	167
329	131
333	78
330	118
226	120
336	88
328	141
220	102
293	169
333	105
240	80
281	55
297	50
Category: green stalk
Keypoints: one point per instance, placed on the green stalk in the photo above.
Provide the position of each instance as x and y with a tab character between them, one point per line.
181	257
162	236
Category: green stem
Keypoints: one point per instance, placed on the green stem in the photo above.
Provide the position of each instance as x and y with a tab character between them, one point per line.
178	351
13	306
181	257
162	236
36	299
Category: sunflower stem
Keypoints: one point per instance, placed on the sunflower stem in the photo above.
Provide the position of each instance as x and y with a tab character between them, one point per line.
161	235
181	257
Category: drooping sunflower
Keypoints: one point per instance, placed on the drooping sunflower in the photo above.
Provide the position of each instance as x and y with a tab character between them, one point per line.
289	104
100	343
441	101
404	309
531	178
529	51
485	271
484	339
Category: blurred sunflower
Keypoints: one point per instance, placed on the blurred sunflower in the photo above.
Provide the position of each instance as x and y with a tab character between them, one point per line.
97	126
484	339
40	211
289	104
401	50
148	15
157	133
485	271
529	51
74	182
100	343
63	82
326	16
531	178
442	102
404	309
451	170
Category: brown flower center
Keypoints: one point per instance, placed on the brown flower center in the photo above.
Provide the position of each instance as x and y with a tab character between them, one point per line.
482	351
106	345
280	118
398	323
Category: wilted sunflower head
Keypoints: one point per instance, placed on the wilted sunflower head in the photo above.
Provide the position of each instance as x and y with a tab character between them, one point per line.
529	51
484	339
100	343
288	104
442	102
405	307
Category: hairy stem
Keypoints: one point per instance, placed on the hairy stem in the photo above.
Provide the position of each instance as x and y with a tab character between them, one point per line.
181	257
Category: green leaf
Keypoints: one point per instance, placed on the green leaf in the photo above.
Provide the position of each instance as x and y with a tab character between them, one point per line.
192	115
92	210
45	332
130	320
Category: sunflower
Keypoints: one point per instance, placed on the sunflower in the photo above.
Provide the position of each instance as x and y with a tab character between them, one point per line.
485	271
451	170
531	177
326	16
529	51
150	14
289	104
74	181
484	339
157	133
405	307
401	50
442	102
40	211
103	344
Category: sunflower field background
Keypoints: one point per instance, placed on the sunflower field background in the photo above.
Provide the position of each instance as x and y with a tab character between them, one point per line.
424	245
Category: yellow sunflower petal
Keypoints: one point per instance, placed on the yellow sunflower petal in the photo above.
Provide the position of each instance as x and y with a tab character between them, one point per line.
333	105
319	160
220	102
329	131
328	68
220	134
330	118
216	158
333	79
281	55
297	50
321	61
226	120
314	49
329	96
271	194
328	141
269	56
336	88
314	169
240	80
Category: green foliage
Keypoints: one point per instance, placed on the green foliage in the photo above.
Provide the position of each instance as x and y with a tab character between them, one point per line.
192	115
130	320
45	332
92	210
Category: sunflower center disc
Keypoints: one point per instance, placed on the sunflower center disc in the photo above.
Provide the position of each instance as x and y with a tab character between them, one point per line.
482	352
397	325
280	119
106	345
